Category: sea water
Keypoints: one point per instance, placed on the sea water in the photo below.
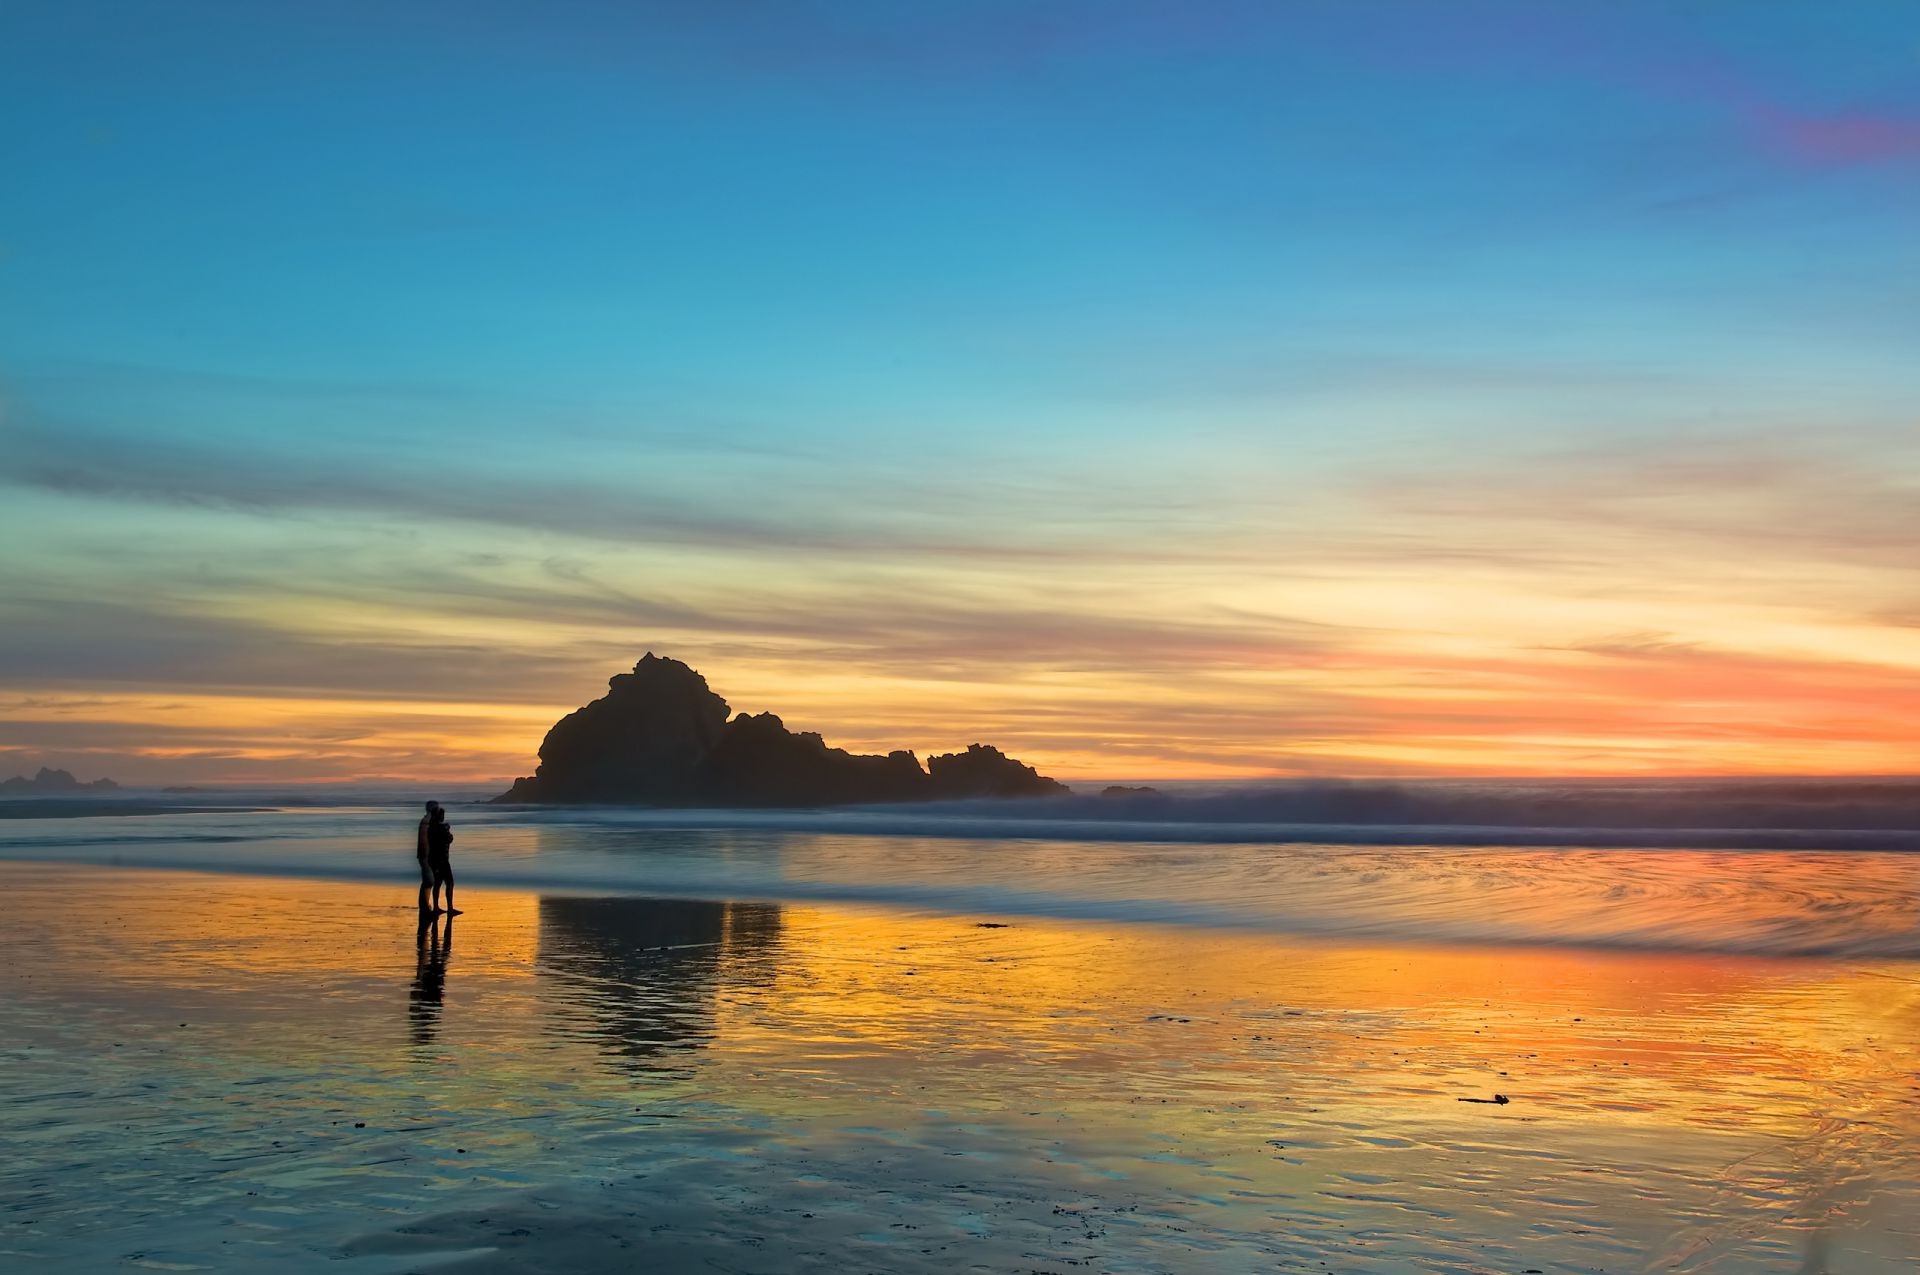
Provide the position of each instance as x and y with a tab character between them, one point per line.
1790	868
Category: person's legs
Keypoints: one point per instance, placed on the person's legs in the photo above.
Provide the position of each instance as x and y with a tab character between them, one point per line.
443	875
426	883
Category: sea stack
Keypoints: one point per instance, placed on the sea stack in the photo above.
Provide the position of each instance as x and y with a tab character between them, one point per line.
661	737
53	783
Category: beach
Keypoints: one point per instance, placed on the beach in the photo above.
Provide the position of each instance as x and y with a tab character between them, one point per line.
211	1071
1128	638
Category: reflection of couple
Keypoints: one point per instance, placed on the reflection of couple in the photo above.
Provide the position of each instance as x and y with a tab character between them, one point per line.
434	849
433	944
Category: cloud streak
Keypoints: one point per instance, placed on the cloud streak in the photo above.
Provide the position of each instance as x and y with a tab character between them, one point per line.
930	522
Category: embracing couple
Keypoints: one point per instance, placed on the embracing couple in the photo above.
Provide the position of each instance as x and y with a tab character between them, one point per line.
434	849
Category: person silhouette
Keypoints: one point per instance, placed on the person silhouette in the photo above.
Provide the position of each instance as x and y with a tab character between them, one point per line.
420	853
436	843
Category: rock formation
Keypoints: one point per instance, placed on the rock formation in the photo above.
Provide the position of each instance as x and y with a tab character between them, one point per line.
985	771
660	737
641	742
52	783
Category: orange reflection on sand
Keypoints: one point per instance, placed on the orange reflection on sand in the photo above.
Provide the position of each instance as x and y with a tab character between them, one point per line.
225	933
1657	1040
1246	1087
859	994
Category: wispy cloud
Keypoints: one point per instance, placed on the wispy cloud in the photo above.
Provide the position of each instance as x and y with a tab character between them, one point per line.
1815	494
915	517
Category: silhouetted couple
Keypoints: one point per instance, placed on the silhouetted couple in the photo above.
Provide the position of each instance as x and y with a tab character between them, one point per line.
435	849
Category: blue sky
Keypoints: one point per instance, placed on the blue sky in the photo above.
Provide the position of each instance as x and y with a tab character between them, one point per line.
717	312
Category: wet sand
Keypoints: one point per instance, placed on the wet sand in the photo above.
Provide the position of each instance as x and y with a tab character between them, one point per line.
221	1072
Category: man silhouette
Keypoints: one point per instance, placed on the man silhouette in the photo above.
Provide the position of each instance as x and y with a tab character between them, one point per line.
420	853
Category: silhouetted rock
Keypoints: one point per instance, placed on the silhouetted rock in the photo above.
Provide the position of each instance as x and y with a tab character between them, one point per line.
759	762
1121	792
985	771
640	742
52	783
661	737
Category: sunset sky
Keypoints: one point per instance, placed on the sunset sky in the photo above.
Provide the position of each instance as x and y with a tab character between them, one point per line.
1152	389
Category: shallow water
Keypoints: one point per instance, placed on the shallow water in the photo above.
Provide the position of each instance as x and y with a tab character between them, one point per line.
225	1072
1810	900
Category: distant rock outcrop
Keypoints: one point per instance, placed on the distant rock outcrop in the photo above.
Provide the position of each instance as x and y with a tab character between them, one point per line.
52	783
985	771
660	737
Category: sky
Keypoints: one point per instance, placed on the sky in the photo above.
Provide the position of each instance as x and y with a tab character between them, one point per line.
1185	389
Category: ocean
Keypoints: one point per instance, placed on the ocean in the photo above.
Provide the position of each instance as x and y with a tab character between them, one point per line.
1785	868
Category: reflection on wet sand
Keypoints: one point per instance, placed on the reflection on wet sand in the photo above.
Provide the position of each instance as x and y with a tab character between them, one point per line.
648	973
604	1083
433	948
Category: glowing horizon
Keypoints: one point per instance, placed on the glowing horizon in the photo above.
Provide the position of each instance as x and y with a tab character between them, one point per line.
1150	390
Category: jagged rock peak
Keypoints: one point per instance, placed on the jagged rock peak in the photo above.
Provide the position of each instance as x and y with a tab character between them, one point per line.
985	771
640	742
